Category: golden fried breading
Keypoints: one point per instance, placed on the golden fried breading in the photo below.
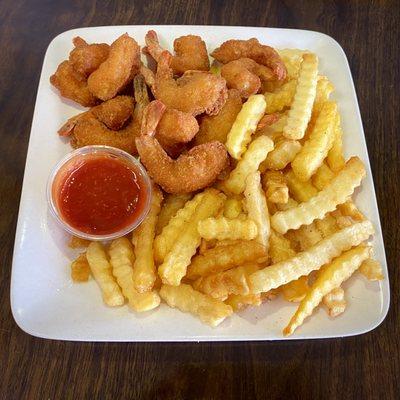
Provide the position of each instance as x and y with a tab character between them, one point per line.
72	85
217	127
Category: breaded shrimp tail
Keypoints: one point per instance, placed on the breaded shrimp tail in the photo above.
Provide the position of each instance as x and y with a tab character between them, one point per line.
196	169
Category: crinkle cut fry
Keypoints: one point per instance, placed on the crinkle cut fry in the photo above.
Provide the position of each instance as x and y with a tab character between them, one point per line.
101	270
173	269
330	277
252	158
318	144
222	258
312	259
245	125
341	187
165	240
300	111
222	228
257	208
144	270
185	298
121	260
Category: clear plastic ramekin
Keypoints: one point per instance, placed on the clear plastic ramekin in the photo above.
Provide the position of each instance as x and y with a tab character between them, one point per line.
63	168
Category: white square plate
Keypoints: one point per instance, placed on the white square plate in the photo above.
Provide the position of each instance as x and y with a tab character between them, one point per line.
47	304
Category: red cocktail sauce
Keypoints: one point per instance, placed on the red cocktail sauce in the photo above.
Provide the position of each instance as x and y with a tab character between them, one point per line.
100	195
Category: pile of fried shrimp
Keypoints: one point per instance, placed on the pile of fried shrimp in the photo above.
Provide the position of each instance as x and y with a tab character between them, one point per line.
252	195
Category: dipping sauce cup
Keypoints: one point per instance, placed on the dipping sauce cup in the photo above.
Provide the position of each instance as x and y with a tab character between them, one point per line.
99	193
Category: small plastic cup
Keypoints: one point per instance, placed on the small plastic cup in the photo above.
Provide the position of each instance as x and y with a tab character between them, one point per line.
77	157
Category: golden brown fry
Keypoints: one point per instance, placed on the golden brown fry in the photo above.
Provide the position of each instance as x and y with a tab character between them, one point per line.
296	290
300	191
328	225
308	235
173	269
233	207
280	248
185	298
281	97
80	269
172	204
324	89
122	258
251	160
222	258
275	186
335	157
335	302
312	259
282	155
222	228
300	111
101	271
77	242
222	284
166	239
245	125
372	270
340	188
144	270
317	145
292	59
256	206
331	277
322	176
239	302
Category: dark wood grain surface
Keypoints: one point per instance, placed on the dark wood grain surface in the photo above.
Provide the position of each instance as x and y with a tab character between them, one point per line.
361	367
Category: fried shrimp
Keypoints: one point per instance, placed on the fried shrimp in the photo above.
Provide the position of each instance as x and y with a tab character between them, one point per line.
115	72
86	58
175	129
190	53
93	127
194	170
217	127
234	49
115	112
194	92
246	75
72	85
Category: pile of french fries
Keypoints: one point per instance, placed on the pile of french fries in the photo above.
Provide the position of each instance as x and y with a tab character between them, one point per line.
282	223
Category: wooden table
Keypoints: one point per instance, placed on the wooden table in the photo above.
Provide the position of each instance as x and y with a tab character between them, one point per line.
355	368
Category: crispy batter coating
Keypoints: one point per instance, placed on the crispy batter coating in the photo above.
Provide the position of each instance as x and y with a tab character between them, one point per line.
72	85
117	70
114	113
93	127
246	75
252	48
194	93
175	129
217	127
190	53
196	169
86	58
